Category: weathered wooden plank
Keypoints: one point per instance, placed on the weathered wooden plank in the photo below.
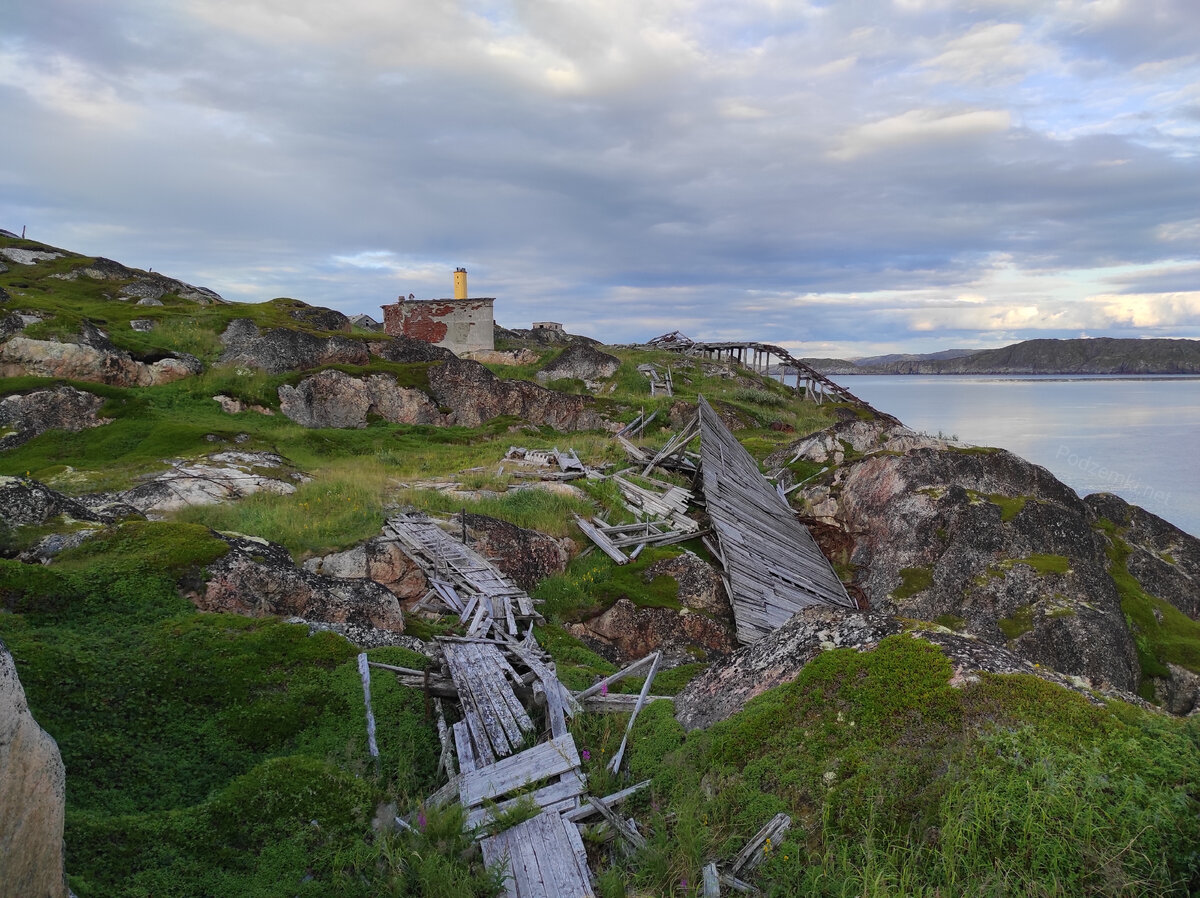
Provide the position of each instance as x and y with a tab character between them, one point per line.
541	762
564	789
615	764
462	745
587	809
595	535
756	849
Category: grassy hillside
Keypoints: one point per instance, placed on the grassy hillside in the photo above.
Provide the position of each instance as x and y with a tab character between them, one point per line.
214	755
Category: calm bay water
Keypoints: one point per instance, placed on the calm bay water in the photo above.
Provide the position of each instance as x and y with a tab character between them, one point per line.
1138	437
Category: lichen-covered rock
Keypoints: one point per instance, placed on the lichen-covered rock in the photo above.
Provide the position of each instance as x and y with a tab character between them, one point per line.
408	349
258	578
701	587
320	317
996	547
701	629
26	415
283	349
581	362
476	396
33	796
727	685
21	356
1163	559
24	501
526	556
143	284
625	632
331	398
379	559
220	477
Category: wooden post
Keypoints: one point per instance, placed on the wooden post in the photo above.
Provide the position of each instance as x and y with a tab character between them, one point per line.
365	672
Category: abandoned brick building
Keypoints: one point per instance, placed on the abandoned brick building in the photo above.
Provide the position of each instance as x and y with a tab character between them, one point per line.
461	324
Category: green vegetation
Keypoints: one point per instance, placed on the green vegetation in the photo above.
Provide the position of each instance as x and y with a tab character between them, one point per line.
900	784
951	621
1010	506
1162	633
212	754
1019	622
912	581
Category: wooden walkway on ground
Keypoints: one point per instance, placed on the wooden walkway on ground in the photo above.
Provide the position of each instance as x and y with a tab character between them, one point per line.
773	567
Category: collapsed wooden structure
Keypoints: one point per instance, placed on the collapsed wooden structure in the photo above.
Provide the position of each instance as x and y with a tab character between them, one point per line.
497	757
772	565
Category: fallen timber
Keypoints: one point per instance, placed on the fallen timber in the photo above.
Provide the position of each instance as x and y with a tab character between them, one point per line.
773	567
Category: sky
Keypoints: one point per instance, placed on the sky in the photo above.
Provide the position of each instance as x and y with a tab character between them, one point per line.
841	178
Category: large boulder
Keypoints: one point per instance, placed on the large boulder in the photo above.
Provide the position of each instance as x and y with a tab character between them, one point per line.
33	794
104	364
26	415
526	556
475	395
320	317
331	398
581	362
701	628
379	559
24	501
981	540
408	349
283	349
258	578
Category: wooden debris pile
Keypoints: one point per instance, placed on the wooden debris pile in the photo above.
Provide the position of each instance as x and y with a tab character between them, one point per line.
660	380
463	581
543	464
662	519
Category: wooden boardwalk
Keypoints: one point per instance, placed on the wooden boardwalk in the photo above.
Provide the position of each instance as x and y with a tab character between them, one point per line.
773	567
762	357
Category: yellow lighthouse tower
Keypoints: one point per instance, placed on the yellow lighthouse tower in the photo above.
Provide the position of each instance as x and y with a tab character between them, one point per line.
460	283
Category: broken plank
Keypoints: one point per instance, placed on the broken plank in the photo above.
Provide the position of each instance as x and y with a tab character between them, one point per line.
538	763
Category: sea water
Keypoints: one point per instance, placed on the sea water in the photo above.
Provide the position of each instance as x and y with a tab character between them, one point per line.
1137	437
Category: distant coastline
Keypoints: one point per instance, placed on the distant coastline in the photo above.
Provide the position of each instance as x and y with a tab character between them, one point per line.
1098	355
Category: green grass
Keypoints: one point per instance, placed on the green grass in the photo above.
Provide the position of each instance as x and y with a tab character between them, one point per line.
1010	506
898	783
1019	622
912	581
1162	633
200	747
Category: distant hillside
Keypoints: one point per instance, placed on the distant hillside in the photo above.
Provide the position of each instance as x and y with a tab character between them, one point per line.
913	357
1097	355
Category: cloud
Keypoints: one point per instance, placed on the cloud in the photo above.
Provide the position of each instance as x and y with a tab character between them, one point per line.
812	172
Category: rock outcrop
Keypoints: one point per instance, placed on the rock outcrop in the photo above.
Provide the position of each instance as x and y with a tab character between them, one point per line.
994	547
331	398
526	556
408	349
220	477
83	361
141	284
282	349
1163	559
475	395
379	559
724	688
701	630
258	578
26	415
33	794
582	362
320	317
24	501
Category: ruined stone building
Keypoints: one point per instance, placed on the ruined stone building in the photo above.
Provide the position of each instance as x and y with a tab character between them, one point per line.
462	325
